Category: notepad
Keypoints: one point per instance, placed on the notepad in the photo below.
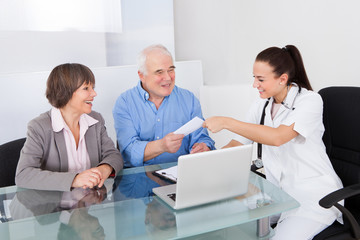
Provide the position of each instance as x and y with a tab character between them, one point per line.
190	126
168	173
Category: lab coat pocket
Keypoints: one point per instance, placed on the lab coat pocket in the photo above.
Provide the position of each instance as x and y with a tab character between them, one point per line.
308	192
306	171
311	190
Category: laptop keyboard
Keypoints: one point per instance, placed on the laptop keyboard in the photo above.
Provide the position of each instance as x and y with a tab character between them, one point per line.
172	196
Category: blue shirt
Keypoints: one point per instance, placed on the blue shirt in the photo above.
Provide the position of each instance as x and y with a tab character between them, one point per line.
137	122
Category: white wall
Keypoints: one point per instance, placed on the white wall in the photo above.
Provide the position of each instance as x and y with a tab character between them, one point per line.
226	35
143	23
27	51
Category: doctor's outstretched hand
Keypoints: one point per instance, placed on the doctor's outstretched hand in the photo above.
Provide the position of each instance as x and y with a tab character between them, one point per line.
215	124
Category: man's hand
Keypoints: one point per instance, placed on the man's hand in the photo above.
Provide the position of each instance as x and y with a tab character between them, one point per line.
172	142
199	147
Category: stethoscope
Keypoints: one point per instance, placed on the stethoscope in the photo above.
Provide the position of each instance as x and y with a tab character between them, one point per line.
258	162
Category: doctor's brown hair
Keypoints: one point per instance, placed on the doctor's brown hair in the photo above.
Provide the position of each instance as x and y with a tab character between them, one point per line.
64	80
286	60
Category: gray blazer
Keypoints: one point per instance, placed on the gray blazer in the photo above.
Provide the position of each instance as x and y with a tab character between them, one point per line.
43	162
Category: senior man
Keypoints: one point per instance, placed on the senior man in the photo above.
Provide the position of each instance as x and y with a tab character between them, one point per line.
147	115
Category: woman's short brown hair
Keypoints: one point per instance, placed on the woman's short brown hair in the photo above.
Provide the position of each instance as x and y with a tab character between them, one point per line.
64	80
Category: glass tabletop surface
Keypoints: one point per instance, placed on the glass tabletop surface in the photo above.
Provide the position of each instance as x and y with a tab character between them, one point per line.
126	208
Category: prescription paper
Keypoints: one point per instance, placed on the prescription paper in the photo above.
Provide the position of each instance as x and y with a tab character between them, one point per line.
190	126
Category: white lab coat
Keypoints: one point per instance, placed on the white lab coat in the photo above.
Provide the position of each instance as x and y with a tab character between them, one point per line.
301	166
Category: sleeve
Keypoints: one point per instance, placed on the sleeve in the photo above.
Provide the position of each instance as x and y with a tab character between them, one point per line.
109	154
200	135
307	114
131	146
29	172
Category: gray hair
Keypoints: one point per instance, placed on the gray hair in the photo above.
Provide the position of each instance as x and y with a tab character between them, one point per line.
142	57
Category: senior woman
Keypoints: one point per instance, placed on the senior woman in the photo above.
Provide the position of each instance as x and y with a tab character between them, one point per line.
68	147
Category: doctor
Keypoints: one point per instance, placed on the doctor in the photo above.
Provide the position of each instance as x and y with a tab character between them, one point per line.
287	121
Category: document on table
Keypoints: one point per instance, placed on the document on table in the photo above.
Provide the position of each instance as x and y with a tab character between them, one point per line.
190	126
168	173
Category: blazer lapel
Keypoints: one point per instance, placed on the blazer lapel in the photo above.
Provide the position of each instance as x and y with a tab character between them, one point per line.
61	147
91	145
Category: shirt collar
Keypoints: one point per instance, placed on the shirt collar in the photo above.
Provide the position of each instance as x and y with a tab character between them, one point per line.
144	94
58	123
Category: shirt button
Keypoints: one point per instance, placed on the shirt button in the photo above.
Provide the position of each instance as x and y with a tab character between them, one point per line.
158	120
157	137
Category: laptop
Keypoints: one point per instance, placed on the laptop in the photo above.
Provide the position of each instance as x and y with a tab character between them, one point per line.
208	177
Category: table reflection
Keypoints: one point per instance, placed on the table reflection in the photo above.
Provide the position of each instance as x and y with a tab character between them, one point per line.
125	208
70	209
138	185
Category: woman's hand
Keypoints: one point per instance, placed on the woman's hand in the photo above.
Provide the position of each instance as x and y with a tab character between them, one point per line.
93	196
105	170
92	177
215	124
87	179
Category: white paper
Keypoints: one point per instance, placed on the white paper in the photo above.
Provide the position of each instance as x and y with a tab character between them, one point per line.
190	126
170	173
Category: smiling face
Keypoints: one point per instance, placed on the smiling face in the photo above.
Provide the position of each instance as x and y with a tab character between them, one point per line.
268	84
81	100
159	80
64	80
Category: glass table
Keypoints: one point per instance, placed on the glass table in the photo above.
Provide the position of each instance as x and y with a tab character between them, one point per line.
125	208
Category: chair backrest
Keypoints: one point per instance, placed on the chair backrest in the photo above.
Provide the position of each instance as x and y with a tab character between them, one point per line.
9	157
342	134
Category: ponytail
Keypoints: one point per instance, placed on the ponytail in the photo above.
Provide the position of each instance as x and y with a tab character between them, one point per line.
286	60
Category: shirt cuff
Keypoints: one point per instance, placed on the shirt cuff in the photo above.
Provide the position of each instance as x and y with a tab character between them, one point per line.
137	154
210	145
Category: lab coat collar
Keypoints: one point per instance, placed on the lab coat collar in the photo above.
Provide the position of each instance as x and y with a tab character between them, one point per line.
288	101
290	98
